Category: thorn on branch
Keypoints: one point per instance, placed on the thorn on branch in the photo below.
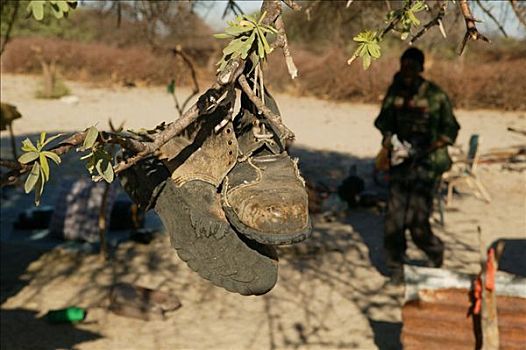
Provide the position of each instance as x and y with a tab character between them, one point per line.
178	51
472	32
436	21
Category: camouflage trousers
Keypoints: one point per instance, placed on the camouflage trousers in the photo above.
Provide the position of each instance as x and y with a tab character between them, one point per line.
410	206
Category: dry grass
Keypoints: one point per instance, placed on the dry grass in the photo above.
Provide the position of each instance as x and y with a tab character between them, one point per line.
496	82
494	79
98	62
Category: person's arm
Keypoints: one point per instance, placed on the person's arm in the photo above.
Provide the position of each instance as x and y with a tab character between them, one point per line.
448	125
385	122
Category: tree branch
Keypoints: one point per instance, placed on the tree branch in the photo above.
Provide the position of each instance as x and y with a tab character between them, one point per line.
436	21
281	41
7	35
178	51
490	15
472	32
273	118
206	104
234	7
520	13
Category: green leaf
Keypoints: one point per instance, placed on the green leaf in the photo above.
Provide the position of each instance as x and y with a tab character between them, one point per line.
44	167
261	48
107	173
366	61
51	139
39	188
267	47
91	137
412	18
32	178
237	30
63	5
262	17
41	141
418	6
57	12
365	37
233	46
222	36
247	45
86	156
53	156
28	157
36	7
374	50
28	146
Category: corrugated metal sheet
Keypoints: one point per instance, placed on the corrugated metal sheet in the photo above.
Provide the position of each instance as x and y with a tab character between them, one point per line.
438	319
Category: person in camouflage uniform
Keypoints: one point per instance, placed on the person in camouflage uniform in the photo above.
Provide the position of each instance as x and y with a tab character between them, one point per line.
417	114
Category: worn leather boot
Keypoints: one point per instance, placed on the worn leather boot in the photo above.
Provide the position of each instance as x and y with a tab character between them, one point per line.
182	188
264	195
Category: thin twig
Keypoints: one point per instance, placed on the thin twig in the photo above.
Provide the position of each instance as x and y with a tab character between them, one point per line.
7	35
10	164
178	51
436	21
490	15
234	7
519	13
273	118
472	32
282	42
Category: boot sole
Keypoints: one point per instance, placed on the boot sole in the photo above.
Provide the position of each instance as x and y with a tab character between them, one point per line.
210	246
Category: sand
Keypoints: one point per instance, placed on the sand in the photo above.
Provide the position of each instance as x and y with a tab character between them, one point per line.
330	293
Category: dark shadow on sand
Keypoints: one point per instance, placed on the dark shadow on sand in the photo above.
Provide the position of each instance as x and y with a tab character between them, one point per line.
22	330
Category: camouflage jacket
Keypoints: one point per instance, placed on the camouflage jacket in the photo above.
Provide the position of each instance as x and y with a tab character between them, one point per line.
421	115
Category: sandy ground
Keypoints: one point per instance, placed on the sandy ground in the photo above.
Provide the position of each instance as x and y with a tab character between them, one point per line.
330	293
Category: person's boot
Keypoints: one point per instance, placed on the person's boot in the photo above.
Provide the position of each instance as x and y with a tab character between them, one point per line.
264	196
182	188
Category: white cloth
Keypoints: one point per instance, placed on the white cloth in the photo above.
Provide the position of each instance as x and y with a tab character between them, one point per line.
400	150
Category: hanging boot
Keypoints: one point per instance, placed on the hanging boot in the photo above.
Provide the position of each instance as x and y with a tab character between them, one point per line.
182	188
264	195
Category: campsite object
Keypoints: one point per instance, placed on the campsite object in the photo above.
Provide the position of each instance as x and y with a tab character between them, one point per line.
138	302
67	315
439	302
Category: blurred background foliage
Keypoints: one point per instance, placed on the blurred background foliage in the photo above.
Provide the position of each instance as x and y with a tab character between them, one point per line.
130	43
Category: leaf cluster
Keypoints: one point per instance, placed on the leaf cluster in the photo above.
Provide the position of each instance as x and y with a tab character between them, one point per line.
247	38
59	8
368	48
40	172
99	160
405	17
402	20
